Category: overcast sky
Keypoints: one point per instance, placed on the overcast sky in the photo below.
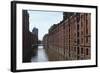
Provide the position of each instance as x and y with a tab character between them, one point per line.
43	21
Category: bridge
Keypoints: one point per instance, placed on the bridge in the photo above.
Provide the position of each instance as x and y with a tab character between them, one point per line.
37	45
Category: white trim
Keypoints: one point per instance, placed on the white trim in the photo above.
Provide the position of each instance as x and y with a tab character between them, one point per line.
21	65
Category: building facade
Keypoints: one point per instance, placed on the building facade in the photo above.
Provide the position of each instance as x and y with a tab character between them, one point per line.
70	39
28	38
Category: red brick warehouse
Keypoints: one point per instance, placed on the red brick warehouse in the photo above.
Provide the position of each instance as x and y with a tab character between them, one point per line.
69	39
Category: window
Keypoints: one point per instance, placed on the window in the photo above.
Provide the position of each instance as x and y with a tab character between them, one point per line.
86	30
86	24
86	19
87	51
77	26
81	16
78	17
77	34
77	50
82	21
81	50
78	53
77	41
81	24
81	40
86	39
74	48
81	32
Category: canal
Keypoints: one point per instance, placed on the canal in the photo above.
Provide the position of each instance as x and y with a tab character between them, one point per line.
40	56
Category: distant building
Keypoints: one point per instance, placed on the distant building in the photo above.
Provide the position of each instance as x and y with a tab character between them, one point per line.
35	31
45	41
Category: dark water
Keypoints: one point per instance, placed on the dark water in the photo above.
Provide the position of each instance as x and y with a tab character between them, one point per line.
41	55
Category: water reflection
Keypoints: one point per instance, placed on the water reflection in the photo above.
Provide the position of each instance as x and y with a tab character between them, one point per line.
40	56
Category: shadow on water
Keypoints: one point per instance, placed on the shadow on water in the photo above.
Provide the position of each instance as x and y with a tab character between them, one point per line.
28	53
36	54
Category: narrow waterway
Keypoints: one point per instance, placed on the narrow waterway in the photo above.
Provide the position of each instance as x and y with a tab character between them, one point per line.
41	55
